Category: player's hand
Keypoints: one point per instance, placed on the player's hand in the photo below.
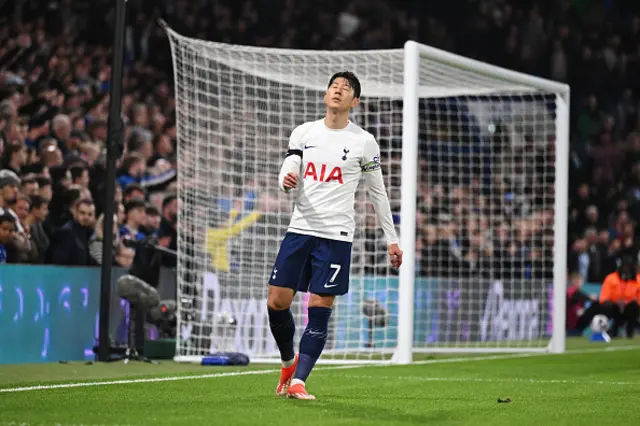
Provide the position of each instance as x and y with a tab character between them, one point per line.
290	181
395	255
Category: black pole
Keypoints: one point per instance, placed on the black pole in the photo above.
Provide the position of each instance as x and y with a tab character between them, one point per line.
115	140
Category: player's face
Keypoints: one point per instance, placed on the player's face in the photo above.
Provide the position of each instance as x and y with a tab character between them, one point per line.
340	96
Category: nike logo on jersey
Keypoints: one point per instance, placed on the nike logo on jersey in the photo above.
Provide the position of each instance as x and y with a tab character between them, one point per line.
309	146
330	286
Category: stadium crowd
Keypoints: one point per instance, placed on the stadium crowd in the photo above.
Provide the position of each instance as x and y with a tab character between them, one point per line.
54	83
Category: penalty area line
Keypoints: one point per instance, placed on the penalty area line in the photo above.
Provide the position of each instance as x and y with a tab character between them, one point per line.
273	370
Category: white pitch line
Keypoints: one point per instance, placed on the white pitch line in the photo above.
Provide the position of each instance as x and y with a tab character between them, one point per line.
492	357
135	381
272	371
504	380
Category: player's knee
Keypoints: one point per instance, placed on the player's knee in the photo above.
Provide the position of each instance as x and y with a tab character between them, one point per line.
279	300
277	305
321	301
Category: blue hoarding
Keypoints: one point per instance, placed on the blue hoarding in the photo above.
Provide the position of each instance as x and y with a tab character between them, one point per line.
47	313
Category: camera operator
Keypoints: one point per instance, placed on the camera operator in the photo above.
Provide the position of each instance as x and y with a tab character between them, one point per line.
147	260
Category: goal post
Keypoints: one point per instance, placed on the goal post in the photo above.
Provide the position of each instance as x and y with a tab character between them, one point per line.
474	158
511	80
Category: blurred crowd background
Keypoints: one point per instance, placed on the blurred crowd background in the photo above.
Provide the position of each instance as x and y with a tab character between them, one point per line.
54	84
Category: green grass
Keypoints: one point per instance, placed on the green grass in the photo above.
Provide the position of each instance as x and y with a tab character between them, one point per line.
590	385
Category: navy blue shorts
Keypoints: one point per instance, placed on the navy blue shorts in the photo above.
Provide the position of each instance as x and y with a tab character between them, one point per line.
313	264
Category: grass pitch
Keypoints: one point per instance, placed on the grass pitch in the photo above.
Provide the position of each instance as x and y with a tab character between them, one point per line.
592	384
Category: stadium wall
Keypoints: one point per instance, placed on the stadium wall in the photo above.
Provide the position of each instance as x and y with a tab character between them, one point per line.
50	313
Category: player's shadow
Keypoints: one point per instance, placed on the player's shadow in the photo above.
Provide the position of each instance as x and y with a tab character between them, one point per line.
375	412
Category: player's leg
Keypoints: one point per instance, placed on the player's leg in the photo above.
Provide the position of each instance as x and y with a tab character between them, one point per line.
281	321
330	278
630	313
290	267
312	342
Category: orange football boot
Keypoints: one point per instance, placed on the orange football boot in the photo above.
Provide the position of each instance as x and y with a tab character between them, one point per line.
298	391
286	374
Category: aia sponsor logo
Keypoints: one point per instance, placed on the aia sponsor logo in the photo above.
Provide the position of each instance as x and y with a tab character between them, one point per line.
320	173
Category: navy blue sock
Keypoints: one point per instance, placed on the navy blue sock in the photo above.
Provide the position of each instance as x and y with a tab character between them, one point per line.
283	328
312	342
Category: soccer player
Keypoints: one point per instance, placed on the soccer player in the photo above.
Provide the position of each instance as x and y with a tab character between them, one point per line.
325	160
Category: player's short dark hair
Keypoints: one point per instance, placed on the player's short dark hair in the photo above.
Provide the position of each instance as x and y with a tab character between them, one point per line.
351	78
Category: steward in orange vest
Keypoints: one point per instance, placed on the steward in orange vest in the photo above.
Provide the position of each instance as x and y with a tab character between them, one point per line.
619	297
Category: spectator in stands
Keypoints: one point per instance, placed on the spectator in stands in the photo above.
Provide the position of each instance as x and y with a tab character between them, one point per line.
70	244
14	157
60	131
79	176
152	221
134	170
124	256
578	207
61	206
25	249
95	244
44	187
134	220
581	307
9	184
20	207
162	147
168	233
7	226
29	186
620	295
132	192
598	253
34	222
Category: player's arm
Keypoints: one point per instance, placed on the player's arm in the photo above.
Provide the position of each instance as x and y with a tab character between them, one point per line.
288	178
372	171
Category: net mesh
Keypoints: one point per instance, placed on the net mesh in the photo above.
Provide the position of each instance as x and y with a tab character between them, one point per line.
485	198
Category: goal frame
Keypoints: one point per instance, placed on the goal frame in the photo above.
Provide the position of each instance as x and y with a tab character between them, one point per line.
413	52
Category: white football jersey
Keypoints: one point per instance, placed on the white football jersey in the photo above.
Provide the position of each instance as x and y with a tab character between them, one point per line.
331	166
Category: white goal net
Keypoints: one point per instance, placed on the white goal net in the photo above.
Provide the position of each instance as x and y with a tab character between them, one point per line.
468	153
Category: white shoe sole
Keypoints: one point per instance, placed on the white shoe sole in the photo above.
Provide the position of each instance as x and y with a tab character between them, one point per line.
301	396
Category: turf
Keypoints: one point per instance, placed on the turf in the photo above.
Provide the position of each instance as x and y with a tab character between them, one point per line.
591	385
